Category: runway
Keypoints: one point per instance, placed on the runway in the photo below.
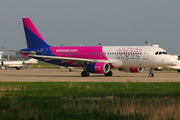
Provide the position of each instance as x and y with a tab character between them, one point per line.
63	75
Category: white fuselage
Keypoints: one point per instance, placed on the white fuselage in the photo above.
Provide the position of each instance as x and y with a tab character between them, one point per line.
137	56
18	63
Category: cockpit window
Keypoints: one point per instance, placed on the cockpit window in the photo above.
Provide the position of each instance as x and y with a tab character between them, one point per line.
160	53
164	53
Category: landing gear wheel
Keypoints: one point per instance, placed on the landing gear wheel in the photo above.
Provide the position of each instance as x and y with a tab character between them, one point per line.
108	74
151	75
178	70
3	68
18	68
84	74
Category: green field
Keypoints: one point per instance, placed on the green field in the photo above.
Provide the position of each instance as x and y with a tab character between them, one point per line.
88	100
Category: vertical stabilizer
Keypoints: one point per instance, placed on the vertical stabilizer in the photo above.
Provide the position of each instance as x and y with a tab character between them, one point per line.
33	37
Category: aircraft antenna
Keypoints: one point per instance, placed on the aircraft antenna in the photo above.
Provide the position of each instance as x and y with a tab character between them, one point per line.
100	44
146	42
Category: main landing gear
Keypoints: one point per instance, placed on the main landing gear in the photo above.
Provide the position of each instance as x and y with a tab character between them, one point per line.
18	68
84	74
108	74
151	73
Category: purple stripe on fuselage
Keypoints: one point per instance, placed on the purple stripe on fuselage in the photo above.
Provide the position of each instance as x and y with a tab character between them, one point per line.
87	52
28	23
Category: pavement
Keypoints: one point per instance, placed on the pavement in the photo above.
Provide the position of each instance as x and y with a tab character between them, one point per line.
63	75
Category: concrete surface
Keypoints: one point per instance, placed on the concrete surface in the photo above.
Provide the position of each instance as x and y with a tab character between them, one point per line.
63	75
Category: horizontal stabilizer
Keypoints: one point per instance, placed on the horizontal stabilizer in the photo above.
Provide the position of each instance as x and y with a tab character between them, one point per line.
31	52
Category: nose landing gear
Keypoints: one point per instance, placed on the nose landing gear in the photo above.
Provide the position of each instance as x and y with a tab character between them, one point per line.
151	74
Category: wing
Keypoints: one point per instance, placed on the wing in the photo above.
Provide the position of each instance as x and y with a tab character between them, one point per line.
174	67
63	59
177	66
67	59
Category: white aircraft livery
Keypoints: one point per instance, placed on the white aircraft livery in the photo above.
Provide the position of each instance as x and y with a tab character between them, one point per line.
18	64
94	59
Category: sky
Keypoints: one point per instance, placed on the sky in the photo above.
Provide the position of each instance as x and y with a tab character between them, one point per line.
88	22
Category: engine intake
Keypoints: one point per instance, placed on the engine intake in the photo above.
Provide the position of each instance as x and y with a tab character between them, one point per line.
97	68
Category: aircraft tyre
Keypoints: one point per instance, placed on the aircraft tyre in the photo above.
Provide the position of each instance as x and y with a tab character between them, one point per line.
84	74
151	75
178	70
18	68
109	73
3	68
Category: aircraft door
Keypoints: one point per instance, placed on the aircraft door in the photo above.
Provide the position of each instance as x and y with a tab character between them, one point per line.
146	54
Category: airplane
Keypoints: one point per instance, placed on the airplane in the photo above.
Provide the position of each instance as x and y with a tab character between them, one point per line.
1	55
17	64
94	59
175	66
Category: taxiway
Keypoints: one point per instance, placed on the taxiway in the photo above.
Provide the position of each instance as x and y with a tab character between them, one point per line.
63	75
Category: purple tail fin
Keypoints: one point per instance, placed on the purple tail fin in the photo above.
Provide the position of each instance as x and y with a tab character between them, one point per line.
33	37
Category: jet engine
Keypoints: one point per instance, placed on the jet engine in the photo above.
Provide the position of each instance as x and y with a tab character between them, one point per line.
131	70
97	68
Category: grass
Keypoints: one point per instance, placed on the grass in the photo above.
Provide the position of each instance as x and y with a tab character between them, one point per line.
42	64
71	100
